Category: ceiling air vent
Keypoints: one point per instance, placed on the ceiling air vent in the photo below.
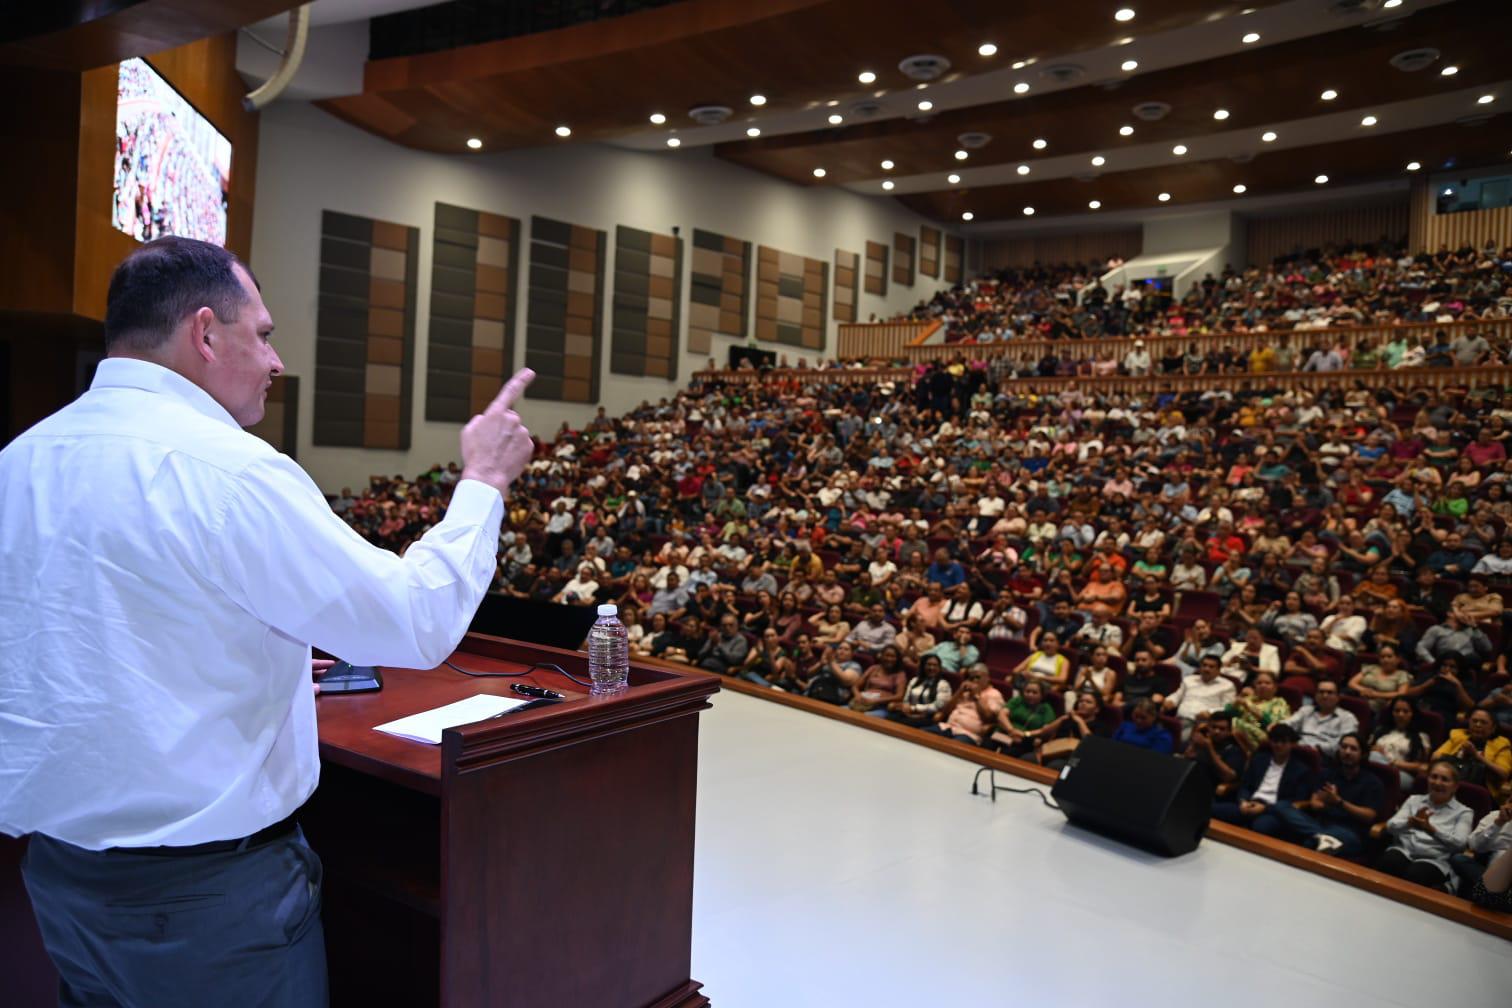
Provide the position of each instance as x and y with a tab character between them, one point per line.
1477	119
1352	8
974	141
709	115
1414	60
1243	157
865	109
925	67
1151	111
1064	73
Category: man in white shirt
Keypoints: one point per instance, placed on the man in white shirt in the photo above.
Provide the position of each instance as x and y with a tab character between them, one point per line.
1325	722
1203	693
165	575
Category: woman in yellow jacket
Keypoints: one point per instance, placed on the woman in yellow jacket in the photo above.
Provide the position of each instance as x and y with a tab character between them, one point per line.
1483	757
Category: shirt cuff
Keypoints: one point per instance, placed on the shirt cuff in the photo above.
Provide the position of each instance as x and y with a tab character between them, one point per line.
476	503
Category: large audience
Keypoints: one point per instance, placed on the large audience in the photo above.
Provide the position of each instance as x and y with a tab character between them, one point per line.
1352	285
1301	591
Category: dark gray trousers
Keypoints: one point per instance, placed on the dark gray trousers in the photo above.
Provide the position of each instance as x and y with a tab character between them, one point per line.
127	930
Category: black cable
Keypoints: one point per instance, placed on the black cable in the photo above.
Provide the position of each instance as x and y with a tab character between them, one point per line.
1033	790
995	787
515	675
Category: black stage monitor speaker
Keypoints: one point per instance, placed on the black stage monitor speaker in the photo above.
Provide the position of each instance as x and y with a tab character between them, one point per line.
1155	802
548	623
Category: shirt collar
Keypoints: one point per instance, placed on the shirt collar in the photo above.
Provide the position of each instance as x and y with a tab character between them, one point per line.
128	372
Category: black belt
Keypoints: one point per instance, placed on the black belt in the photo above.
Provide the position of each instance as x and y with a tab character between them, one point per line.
267	834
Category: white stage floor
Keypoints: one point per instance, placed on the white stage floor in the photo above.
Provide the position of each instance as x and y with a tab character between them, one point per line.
836	866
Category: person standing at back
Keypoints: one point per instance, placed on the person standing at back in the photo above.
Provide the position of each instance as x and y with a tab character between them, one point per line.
165	575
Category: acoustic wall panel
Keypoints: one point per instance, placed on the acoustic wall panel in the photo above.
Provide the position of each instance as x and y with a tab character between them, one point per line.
929	251
718	295
876	268
647	303
474	268
791	291
955	258
903	259
280	423
565	315
365	332
847	264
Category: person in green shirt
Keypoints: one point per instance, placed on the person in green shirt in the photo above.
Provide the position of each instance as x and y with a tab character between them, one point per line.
1026	713
1365	356
1393	351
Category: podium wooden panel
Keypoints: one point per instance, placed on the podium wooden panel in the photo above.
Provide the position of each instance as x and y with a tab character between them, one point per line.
535	860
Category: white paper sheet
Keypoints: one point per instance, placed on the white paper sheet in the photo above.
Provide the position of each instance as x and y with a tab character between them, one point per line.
427	726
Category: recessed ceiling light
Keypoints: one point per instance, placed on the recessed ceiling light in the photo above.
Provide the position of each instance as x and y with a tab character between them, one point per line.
967	215
1389	4
1129	66
1179	150
1250	38
1485	99
1022	169
836	119
1269	136
1449	71
753	131
1413	166
1126	131
1368	121
1126	40
887	165
474	143
1447	192
657	118
832	103
961	155
1028	211
866	77
1124	14
1040	143
952	178
887	184
1164	197
758	99
1020	64
1321	179
926	105
1021	88
1329	95
673	142
563	131
1239	189
986	49
1094	204
1098	160
1222	113
819	173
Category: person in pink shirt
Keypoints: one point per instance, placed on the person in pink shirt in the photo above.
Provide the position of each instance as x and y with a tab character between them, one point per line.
972	710
1485	450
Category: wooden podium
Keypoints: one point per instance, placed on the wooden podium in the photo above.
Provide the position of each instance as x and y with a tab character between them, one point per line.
537	860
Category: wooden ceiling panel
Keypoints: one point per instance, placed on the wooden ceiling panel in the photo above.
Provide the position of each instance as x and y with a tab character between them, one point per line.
1259	88
603	78
1347	162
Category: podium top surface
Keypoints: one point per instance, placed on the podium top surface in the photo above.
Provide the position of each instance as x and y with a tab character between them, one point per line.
347	721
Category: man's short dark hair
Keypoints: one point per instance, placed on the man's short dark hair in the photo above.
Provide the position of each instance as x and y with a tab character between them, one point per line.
1283	733
158	285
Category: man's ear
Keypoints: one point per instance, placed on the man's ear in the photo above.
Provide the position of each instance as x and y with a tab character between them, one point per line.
202	335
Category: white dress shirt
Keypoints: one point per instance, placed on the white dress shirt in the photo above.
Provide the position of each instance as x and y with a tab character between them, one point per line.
165	574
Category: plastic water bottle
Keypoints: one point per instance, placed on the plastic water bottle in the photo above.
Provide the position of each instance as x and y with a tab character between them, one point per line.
608	653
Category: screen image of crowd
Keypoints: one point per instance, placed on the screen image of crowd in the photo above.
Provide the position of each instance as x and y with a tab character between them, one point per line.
1300	589
172	167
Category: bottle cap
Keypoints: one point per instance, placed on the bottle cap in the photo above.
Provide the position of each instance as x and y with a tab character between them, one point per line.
608	609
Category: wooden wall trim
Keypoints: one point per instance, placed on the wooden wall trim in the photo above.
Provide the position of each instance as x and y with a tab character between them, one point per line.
1268	238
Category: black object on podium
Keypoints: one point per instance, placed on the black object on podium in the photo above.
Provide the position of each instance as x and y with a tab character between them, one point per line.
1155	802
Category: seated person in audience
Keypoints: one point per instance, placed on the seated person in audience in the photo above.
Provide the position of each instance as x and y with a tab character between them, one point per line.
958	652
1257	708
582	589
836	675
1271	778
1025	713
1245	609
927	693
725	650
1141	683
1382	681
961	610
1346	801
1246	657
1004	619
1479	754
1287	619
1457	637
914	641
1055	742
1344	630
1499	702
1047	665
1427	831
1441	690
1143	729
1149	636
1197	644
1100	630
1491	836
829	626
1214	748
1309	662
681	642
1094	676
768	663
1494	890
929	607
1057	619
1325	722
881	684
1400	742
1150	601
1102	591
862	597
1206	691
972	711
874	632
